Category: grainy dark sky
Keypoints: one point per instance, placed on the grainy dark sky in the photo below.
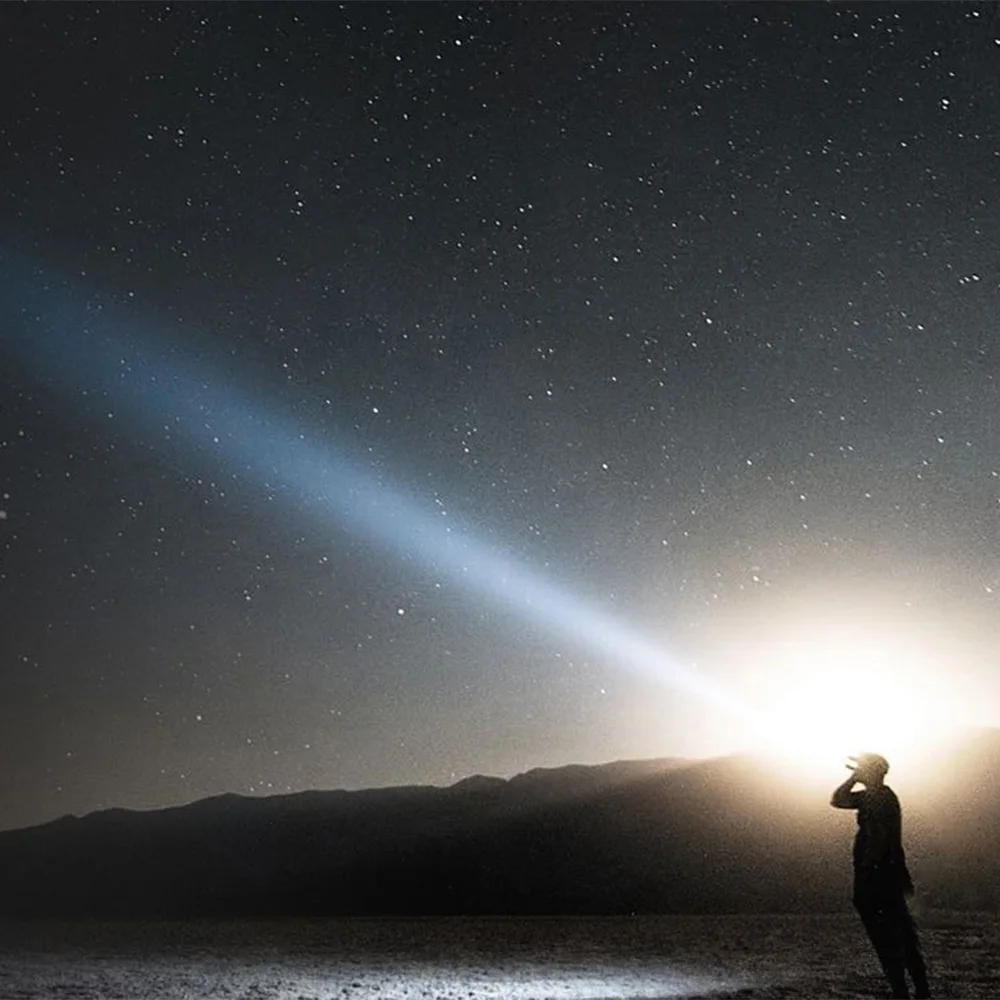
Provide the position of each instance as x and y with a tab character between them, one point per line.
690	309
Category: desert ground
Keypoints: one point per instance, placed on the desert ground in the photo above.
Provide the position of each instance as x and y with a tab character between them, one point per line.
622	958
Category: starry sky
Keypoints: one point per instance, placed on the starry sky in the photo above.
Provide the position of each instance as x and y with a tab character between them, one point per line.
688	310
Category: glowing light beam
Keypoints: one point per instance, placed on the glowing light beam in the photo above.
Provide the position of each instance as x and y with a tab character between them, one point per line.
189	408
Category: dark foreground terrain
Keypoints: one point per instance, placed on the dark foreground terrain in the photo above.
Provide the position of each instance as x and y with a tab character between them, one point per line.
618	958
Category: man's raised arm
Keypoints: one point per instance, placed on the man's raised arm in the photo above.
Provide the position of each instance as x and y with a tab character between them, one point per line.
843	797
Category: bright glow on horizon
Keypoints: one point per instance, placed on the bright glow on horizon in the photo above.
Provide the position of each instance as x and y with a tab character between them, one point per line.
826	692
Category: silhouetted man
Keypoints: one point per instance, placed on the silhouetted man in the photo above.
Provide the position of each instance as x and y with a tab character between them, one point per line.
881	880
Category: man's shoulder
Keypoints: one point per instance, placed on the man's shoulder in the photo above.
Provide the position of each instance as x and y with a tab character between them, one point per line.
882	799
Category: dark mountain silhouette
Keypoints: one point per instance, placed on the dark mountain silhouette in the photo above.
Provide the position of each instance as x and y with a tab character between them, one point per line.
663	836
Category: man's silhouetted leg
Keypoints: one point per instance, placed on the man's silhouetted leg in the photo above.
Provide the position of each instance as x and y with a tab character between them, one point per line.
913	956
879	933
884	932
905	940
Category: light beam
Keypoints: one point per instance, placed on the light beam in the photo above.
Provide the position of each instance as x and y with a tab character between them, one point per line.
200	412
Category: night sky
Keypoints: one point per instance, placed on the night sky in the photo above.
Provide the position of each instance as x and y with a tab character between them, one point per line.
688	310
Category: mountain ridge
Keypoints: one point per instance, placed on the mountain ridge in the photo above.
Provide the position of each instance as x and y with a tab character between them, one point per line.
662	836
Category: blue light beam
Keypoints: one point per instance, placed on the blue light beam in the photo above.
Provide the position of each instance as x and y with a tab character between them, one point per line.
199	412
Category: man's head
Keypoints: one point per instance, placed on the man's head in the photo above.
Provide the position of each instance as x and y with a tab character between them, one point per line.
870	768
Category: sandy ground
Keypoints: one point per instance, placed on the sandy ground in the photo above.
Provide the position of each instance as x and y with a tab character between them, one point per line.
464	959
